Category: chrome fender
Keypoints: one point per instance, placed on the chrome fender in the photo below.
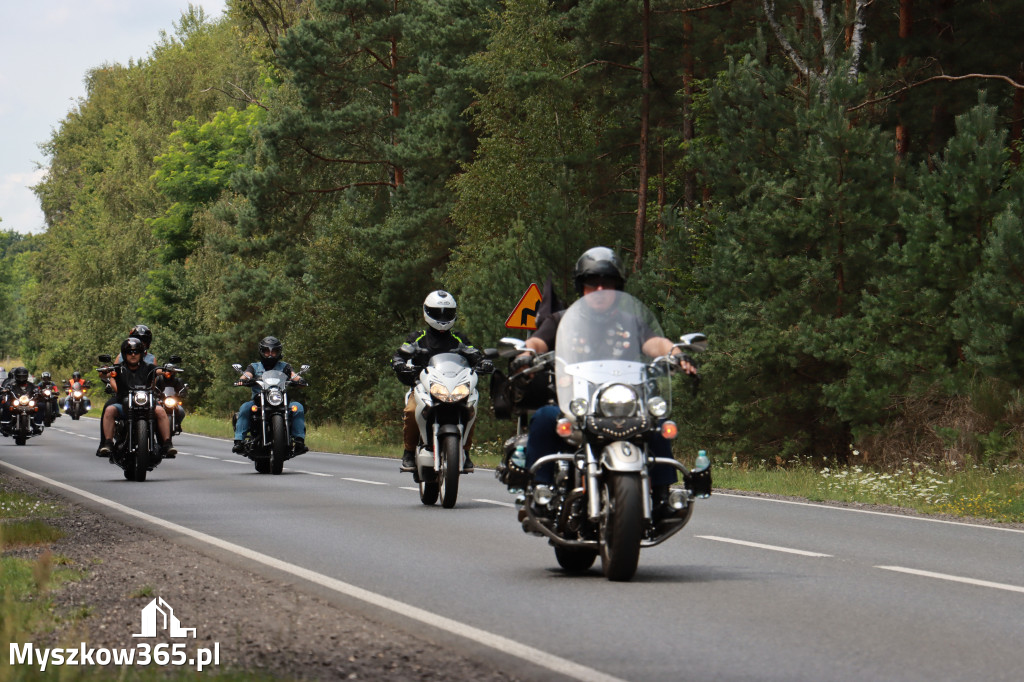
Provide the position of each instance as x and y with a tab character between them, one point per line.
622	456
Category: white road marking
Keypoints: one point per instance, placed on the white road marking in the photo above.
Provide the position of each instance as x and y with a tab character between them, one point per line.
360	480
867	511
774	548
312	473
206	457
500	504
497	642
954	578
229	461
409	487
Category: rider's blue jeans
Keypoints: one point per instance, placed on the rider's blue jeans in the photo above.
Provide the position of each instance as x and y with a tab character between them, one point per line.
544	440
296	420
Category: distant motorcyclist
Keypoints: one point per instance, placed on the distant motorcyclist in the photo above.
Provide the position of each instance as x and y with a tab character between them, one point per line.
440	313
16	385
46	383
132	371
76	382
598	274
270	350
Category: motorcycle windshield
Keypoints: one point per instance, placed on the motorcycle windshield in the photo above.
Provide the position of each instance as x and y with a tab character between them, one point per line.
600	342
447	364
274	378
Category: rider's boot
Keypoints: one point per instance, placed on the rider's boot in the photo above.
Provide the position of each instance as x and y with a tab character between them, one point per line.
167	449
408	460
299	446
467	466
237	447
106	448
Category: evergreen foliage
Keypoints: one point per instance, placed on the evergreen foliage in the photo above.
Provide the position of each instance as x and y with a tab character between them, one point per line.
839	216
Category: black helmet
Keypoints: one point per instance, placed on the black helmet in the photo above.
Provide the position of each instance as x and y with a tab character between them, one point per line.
599	262
272	344
76	375
20	374
143	333
132	344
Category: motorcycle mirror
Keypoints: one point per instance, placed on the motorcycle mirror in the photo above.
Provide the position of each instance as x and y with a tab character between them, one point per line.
174	359
303	368
509	346
237	367
104	358
694	342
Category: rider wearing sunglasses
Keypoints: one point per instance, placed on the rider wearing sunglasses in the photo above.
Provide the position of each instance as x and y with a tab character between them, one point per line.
133	370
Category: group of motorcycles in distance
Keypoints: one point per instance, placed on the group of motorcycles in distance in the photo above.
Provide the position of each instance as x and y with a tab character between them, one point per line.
601	502
28	406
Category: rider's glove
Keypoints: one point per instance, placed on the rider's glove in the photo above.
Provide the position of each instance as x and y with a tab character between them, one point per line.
485	366
519	362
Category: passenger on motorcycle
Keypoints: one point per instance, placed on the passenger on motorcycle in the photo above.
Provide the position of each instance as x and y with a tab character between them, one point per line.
598	274
440	312
15	386
69	386
132	371
270	350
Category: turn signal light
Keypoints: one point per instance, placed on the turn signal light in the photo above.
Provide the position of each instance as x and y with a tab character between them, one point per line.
254	408
294	408
669	430
564	428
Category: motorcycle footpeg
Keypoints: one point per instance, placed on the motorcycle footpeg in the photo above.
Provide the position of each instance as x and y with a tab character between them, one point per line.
405	469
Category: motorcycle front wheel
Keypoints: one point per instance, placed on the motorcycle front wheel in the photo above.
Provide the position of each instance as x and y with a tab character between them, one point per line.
140	463
621	526
279	443
451	468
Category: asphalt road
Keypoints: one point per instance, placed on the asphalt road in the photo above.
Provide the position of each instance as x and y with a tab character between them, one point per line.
751	589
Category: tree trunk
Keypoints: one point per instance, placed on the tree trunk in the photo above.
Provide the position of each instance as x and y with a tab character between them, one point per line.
689	177
906	23
645	114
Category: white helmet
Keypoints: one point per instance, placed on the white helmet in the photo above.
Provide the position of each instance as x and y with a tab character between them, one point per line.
439	310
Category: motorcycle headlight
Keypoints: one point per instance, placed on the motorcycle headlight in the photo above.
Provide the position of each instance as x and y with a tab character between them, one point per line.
140	398
275	397
618	401
24	400
461	392
77	394
657	406
47	393
578	407
440	392
170	402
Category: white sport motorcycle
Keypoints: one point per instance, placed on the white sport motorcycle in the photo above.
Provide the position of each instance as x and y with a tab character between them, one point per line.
446	397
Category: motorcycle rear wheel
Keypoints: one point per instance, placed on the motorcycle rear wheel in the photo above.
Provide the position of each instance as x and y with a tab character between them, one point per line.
575	560
621	526
140	463
279	444
451	469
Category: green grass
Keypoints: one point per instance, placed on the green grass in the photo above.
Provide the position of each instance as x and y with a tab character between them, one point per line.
990	493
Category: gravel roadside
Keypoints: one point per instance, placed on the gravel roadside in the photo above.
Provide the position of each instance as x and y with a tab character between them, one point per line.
261	625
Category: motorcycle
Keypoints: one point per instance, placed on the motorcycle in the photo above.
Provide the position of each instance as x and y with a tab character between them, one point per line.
171	400
22	410
49	403
76	400
268	441
446	396
136	442
517	395
612	398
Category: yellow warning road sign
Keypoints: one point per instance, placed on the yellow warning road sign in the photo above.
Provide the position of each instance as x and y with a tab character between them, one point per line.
525	314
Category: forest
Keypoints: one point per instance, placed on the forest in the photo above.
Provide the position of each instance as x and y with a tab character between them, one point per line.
831	190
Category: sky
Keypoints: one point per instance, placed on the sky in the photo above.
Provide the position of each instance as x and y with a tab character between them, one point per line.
46	48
